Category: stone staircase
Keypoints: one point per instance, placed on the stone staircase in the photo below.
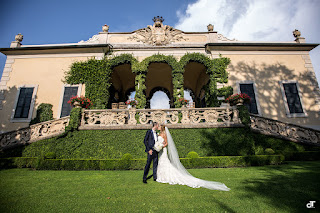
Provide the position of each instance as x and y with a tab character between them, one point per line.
283	130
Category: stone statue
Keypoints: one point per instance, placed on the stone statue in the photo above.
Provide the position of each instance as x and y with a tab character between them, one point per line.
210	28
19	37
296	33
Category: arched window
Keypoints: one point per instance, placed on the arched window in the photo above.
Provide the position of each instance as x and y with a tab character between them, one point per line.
160	100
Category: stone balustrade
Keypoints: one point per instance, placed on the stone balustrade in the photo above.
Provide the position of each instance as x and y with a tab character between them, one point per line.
287	131
175	118
33	133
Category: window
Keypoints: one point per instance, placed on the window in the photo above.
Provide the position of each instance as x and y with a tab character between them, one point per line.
69	91
292	99
24	103
249	89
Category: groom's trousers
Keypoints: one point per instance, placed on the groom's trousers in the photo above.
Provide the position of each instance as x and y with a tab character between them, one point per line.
154	158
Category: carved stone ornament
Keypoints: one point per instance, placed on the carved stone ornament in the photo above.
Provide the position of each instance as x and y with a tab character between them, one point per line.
210	28
105	28
288	131
157	34
19	37
296	33
223	38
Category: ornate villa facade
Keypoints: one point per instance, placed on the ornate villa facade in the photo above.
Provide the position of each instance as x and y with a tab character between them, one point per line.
278	76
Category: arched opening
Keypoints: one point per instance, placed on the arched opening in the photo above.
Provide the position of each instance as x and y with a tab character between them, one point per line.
195	78
122	80
159	78
159	99
130	94
189	95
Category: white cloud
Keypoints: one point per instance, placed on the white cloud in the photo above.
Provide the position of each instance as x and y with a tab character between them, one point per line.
259	20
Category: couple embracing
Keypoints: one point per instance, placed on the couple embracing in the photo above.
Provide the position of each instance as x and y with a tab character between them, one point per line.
167	167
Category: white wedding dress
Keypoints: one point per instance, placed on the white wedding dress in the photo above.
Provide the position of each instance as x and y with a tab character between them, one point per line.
170	170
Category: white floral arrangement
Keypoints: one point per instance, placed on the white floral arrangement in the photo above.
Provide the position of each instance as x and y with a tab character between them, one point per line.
158	146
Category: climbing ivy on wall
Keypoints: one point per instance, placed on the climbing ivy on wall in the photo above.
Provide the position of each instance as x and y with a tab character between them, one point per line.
95	74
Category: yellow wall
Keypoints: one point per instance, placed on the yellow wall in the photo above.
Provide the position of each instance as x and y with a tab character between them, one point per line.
266	71
47	73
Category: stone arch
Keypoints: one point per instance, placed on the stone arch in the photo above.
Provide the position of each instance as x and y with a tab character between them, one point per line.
142	69
122	78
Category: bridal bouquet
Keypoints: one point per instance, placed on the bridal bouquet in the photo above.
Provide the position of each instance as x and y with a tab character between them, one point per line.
158	146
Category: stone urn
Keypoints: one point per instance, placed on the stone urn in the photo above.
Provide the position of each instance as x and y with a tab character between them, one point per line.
77	104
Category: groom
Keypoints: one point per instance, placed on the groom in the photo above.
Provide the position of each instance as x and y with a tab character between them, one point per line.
149	141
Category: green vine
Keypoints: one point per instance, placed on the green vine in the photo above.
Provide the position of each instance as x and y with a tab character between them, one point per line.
95	74
74	122
44	113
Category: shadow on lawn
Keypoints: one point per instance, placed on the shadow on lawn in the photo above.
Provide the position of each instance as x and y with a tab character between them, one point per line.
287	188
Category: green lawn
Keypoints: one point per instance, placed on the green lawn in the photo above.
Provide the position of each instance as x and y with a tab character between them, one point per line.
283	188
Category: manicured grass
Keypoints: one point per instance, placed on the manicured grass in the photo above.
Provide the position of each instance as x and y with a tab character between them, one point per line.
282	188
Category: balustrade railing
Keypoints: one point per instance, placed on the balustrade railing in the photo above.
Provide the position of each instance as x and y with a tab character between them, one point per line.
284	130
33	133
176	118
141	118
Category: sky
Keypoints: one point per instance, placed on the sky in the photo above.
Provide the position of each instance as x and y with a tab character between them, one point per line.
70	21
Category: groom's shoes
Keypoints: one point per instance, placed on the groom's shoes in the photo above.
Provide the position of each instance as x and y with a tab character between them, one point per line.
144	181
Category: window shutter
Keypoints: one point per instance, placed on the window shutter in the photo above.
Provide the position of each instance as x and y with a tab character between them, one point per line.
68	93
293	99
24	102
249	90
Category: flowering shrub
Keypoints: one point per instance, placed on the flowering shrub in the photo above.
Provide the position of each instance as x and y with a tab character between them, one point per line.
131	102
232	99
83	101
183	101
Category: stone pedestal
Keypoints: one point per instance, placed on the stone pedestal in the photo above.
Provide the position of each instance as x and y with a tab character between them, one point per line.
132	116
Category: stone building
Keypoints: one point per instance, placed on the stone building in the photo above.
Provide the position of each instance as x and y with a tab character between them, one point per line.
278	76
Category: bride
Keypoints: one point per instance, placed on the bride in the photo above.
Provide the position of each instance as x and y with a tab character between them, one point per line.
170	170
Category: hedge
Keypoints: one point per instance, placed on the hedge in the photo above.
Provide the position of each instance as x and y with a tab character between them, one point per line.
136	164
113	144
302	156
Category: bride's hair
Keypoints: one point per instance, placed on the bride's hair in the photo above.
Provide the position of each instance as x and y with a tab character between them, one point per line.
163	127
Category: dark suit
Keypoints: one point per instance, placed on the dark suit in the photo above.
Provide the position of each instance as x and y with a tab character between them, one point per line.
149	141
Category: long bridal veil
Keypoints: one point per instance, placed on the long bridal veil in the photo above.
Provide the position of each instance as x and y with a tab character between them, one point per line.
175	161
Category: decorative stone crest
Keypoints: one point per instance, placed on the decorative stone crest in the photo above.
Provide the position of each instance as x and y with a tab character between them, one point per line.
157	34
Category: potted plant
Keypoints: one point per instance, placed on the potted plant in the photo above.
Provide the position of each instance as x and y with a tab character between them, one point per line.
81	101
236	99
183	102
131	102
